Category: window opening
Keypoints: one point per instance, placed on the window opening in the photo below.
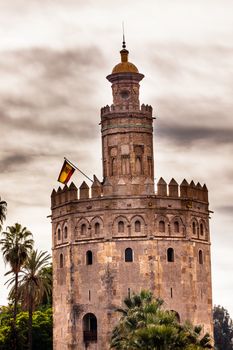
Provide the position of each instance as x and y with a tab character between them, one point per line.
97	228
161	226
61	260
83	229
121	226
201	229
170	255
137	226
128	255
194	228
176	226
59	234
89	257
200	257
65	232
89	328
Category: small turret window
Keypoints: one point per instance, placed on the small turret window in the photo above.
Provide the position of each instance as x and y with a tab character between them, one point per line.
161	226
97	228
201	229
59	234
200	257
137	226
128	255
89	257
83	229
121	227
194	228
61	262
170	255
65	232
176	227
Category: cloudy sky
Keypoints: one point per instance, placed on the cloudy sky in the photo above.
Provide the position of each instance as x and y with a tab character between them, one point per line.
55	55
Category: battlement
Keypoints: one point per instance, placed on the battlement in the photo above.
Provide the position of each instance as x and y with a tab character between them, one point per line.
184	190
145	109
170	190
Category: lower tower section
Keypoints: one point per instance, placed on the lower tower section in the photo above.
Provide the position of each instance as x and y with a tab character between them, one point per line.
107	248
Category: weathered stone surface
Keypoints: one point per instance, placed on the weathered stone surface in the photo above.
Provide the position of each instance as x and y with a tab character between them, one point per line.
91	235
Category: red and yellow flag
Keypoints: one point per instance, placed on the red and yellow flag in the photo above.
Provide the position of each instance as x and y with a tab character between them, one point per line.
66	173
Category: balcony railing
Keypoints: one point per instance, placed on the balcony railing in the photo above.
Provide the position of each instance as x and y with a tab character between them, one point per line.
89	336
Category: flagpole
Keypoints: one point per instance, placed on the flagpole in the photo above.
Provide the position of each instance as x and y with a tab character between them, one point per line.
78	169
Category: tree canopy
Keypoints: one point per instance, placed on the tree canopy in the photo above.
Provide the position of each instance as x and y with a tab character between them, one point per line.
146	325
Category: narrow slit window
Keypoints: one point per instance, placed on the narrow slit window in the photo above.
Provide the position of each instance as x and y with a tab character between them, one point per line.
128	255
170	255
176	227
59	234
200	257
97	228
89	257
83	229
201	229
194	228
61	263
121	227
65	232
137	226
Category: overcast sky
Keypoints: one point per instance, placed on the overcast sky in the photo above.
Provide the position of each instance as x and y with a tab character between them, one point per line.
55	55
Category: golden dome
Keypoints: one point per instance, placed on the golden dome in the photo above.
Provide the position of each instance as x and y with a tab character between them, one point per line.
124	66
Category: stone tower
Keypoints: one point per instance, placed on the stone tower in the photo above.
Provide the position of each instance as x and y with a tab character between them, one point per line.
120	236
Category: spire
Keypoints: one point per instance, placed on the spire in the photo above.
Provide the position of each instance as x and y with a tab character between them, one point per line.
124	52
123	30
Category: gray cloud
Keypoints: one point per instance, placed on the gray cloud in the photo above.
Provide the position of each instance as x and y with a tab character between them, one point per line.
182	135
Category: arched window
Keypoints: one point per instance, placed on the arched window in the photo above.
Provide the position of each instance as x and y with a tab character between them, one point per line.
89	259
65	232
176	226
59	234
89	328
97	228
201	229
128	255
61	262
194	228
121	226
177	316
83	229
137	226
200	257
170	255
161	226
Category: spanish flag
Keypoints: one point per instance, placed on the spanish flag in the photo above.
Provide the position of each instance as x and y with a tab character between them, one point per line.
66	173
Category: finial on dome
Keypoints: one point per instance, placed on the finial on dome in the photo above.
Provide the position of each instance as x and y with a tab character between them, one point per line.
123	30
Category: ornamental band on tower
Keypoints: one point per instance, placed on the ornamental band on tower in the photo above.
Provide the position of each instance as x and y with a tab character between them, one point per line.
120	236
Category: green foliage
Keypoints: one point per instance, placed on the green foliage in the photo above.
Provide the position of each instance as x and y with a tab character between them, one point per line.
145	325
16	243
41	329
223	329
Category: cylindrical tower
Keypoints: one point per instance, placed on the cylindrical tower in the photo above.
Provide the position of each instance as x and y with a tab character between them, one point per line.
120	236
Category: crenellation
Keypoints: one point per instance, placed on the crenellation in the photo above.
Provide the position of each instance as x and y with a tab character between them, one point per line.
162	187
173	188
84	191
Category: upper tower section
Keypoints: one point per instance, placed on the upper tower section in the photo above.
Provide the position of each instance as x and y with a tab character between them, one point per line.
125	80
127	134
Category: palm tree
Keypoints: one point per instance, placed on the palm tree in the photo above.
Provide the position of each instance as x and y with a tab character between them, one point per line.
34	284
16	243
145	325
2	212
